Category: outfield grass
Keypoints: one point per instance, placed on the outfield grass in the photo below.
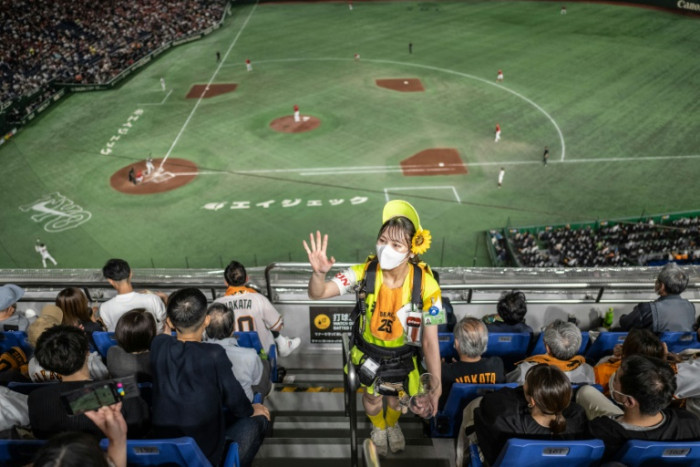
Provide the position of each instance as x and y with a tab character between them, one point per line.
618	85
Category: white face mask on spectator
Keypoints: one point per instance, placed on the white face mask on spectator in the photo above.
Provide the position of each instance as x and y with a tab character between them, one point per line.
389	258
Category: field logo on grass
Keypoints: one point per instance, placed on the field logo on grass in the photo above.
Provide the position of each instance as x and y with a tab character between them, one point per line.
285	203
59	212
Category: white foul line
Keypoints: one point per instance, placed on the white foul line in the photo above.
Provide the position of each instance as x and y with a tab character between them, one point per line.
161	102
201	96
399	188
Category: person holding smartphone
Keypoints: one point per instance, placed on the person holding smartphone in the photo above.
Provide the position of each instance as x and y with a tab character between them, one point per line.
64	350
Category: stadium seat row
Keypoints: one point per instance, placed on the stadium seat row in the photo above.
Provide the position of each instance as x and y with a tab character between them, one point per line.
585	453
519	345
176	451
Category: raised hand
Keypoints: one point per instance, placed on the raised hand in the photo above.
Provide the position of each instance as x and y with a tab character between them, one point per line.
317	253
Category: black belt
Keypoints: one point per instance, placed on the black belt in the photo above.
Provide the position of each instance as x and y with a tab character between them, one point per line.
394	354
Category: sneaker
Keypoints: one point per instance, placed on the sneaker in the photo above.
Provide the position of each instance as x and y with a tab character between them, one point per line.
396	440
379	439
286	346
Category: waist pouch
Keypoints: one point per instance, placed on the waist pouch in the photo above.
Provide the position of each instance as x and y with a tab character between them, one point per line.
394	364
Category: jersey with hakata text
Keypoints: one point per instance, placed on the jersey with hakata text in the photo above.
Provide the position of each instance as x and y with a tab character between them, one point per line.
252	311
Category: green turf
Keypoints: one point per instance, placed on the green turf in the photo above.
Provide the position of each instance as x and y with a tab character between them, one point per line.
619	82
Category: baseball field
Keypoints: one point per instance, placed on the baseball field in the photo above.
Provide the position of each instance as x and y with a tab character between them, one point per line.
613	91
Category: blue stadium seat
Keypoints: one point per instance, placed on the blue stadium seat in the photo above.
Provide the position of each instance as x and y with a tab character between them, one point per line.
103	341
508	345
9	339
26	388
652	453
446	422
538	349
548	453
446	341
176	451
501	344
251	340
679	341
17	452
232	459
604	345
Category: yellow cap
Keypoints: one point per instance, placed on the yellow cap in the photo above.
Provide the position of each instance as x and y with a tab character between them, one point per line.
398	207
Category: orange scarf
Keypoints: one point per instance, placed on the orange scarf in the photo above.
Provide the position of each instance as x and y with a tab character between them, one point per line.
563	365
234	290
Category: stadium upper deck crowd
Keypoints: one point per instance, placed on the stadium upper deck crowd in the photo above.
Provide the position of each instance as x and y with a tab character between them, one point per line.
623	244
83	41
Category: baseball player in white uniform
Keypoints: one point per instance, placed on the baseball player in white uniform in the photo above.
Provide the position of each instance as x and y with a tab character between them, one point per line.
162	84
149	165
44	252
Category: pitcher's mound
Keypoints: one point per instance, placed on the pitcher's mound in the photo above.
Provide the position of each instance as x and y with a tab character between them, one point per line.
437	161
175	173
401	84
287	124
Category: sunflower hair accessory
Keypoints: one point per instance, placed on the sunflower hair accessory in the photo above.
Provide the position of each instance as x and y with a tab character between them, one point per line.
421	242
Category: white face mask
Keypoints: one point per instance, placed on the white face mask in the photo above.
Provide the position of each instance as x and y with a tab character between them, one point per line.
389	258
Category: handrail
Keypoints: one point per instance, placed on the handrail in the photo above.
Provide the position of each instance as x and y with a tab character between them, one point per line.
351	384
596	285
464	286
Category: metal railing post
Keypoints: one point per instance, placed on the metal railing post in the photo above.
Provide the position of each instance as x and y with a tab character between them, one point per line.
351	385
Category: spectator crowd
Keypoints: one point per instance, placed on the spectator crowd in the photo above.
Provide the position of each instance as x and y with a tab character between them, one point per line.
621	244
81	41
200	382
203	383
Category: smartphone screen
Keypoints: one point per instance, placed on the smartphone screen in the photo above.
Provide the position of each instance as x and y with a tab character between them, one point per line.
89	398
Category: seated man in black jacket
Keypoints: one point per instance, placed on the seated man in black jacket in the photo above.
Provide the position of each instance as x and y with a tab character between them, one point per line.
194	390
64	350
644	387
670	312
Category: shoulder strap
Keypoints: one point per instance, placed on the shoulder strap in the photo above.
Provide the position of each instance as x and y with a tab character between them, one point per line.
367	283
370	276
416	295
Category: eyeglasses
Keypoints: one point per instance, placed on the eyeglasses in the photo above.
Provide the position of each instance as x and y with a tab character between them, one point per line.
612	389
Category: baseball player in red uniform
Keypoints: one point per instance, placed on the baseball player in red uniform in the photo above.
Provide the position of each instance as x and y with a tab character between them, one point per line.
297	117
248	65
498	133
499	76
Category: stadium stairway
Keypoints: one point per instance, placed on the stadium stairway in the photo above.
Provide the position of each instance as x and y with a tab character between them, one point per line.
309	426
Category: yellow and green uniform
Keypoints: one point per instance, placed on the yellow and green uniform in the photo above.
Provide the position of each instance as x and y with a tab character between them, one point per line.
382	326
